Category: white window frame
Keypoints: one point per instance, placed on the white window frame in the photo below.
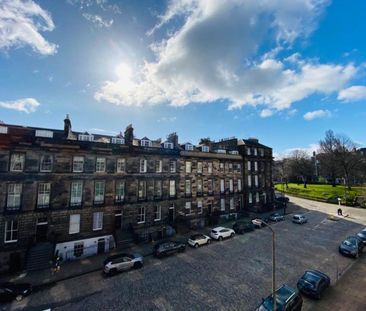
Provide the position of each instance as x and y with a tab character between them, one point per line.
77	164
222	204
188	187
168	145
76	188
239	185
146	143
257	197
14	196
118	140
11	226
256	180
209	167
3	130
188	147
157	213
172	190
44	133
173	166
222	166
119	197
249	180
17	159
255	152
231	185
100	165
199	167
199	185
159	166
143	165
188	207
199	206
97	221
49	164
141	189
141	215
210	186
262	152
74	224
248	150
230	167
249	166
86	137
158	188
188	167
232	203
99	191
121	165
250	198
44	194
222	185
205	149
256	166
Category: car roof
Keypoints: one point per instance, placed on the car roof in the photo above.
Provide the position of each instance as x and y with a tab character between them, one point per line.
299	215
285	292
219	228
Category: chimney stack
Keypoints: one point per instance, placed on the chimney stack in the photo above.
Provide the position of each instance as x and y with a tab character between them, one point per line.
129	135
67	126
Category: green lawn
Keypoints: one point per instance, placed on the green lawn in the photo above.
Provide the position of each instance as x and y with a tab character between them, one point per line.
325	193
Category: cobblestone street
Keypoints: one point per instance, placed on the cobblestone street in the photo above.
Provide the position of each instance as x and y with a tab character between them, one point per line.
229	275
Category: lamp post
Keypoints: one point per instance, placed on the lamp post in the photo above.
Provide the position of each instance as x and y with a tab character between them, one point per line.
273	266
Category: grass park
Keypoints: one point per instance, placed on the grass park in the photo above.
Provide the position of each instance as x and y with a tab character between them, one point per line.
326	193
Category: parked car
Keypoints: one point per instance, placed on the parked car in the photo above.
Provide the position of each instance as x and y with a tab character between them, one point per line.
10	291
198	240
362	236
287	298
352	246
243	226
313	283
258	223
299	219
276	217
166	248
122	262
220	233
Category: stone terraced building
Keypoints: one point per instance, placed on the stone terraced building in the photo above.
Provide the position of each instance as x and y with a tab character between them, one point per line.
83	193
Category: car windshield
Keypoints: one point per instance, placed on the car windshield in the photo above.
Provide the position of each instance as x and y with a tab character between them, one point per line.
349	243
268	304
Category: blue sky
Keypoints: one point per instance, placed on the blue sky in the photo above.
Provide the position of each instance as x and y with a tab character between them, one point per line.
282	71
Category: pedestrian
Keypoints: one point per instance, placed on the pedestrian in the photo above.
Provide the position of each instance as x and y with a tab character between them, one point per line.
340	212
56	266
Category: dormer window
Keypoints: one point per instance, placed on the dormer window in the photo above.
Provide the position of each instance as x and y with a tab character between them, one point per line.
168	145
188	147
205	149
3	130
234	152
217	151
44	133
86	137
118	141
146	143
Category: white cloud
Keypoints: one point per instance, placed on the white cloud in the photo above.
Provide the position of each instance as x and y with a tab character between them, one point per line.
353	93
26	105
213	54
265	113
98	20
167	119
316	114
102	4
21	22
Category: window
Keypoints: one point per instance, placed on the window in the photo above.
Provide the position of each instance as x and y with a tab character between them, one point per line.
43	199
250	198
220	151
146	143
257	197
210	186
222	185
238	167
249	180
157	213
248	150
99	189
209	167
76	193
188	166
222	204
234	152
97	221
142	189
120	191
3	130
86	137
256	166
199	186
255	151
239	185
231	185
100	167
188	187
199	206
121	165
230	167
188	207
256	180
141	215
17	162
157	189
249	166
46	163
158	166
11	231
262	152
199	167
172	188
78	164
14	196
188	147
168	145
143	166
232	203
118	141
74	226
78	249
205	149
173	166
222	166
44	133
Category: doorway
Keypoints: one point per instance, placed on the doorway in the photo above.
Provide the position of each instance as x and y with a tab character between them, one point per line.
118	220
101	246
171	214
41	230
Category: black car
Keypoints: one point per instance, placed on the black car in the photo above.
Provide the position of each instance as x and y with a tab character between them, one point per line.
11	291
352	246
362	236
313	283
168	247
287	298
242	226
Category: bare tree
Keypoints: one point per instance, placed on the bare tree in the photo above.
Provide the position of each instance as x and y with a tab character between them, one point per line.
300	166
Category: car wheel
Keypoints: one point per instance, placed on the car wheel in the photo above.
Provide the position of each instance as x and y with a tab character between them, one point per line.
137	265
220	238
18	297
196	245
208	241
232	234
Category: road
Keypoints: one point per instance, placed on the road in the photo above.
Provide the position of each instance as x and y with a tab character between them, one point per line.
230	275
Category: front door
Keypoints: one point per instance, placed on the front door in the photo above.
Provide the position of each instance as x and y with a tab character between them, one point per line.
41	230
171	215
118	220
101	246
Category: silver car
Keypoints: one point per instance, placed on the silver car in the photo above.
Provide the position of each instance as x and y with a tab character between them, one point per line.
299	219
121	262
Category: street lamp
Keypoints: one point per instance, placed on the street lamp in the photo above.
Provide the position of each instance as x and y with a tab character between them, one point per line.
273	266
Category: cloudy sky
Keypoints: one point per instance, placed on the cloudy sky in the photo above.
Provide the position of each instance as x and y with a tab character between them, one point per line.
284	71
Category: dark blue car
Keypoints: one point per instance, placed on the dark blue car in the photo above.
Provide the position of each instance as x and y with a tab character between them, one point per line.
313	283
352	246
